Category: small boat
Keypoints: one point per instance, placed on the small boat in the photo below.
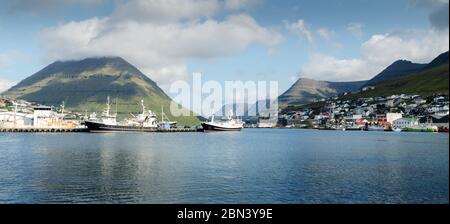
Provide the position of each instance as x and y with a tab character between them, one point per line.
165	122
397	129
227	124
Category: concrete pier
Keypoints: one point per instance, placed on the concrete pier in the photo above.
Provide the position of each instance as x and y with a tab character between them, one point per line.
44	130
67	130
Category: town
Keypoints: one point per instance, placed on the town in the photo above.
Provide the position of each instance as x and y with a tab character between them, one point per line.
392	113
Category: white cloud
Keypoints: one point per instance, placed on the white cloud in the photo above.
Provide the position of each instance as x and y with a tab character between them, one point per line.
355	29
326	33
161	50
6	84
328	68
417	46
299	27
376	54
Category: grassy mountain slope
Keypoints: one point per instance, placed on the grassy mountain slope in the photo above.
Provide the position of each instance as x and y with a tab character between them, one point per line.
307	90
395	70
431	81
84	86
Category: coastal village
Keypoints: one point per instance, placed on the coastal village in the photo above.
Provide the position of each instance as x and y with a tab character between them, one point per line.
392	113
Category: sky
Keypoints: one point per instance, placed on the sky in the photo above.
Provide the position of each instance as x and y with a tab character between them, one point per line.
168	40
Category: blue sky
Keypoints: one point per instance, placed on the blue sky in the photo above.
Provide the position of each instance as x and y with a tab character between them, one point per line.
338	40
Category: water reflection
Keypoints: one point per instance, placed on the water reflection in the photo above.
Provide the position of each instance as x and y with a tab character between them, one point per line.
252	166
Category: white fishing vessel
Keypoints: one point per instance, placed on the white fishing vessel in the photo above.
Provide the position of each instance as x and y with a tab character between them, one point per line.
227	124
146	121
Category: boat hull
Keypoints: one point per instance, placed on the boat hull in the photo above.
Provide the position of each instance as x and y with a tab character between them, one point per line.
211	127
99	127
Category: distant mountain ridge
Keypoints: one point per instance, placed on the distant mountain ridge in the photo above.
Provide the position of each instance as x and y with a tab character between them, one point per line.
440	60
397	69
85	84
306	90
412	77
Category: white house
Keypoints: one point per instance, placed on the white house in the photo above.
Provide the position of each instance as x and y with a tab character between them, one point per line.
405	123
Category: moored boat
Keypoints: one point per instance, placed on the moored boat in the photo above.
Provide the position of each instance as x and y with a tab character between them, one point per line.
228	124
144	122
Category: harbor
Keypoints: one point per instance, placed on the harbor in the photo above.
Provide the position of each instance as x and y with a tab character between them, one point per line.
27	117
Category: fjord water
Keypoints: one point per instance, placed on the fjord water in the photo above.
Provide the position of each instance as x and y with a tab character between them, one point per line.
251	166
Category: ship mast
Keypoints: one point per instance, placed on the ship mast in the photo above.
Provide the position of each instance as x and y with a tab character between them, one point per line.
62	109
116	106
107	107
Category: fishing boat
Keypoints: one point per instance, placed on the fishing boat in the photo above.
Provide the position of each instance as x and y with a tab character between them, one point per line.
144	122
227	124
165	122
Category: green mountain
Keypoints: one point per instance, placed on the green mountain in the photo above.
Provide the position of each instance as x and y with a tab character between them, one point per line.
427	82
395	70
442	59
400	77
84	85
305	91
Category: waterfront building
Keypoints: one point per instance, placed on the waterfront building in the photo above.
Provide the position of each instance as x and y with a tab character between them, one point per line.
405	122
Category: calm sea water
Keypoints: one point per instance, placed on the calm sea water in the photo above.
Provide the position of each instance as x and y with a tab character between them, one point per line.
252	166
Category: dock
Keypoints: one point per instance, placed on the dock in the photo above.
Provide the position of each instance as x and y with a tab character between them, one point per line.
59	130
69	130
